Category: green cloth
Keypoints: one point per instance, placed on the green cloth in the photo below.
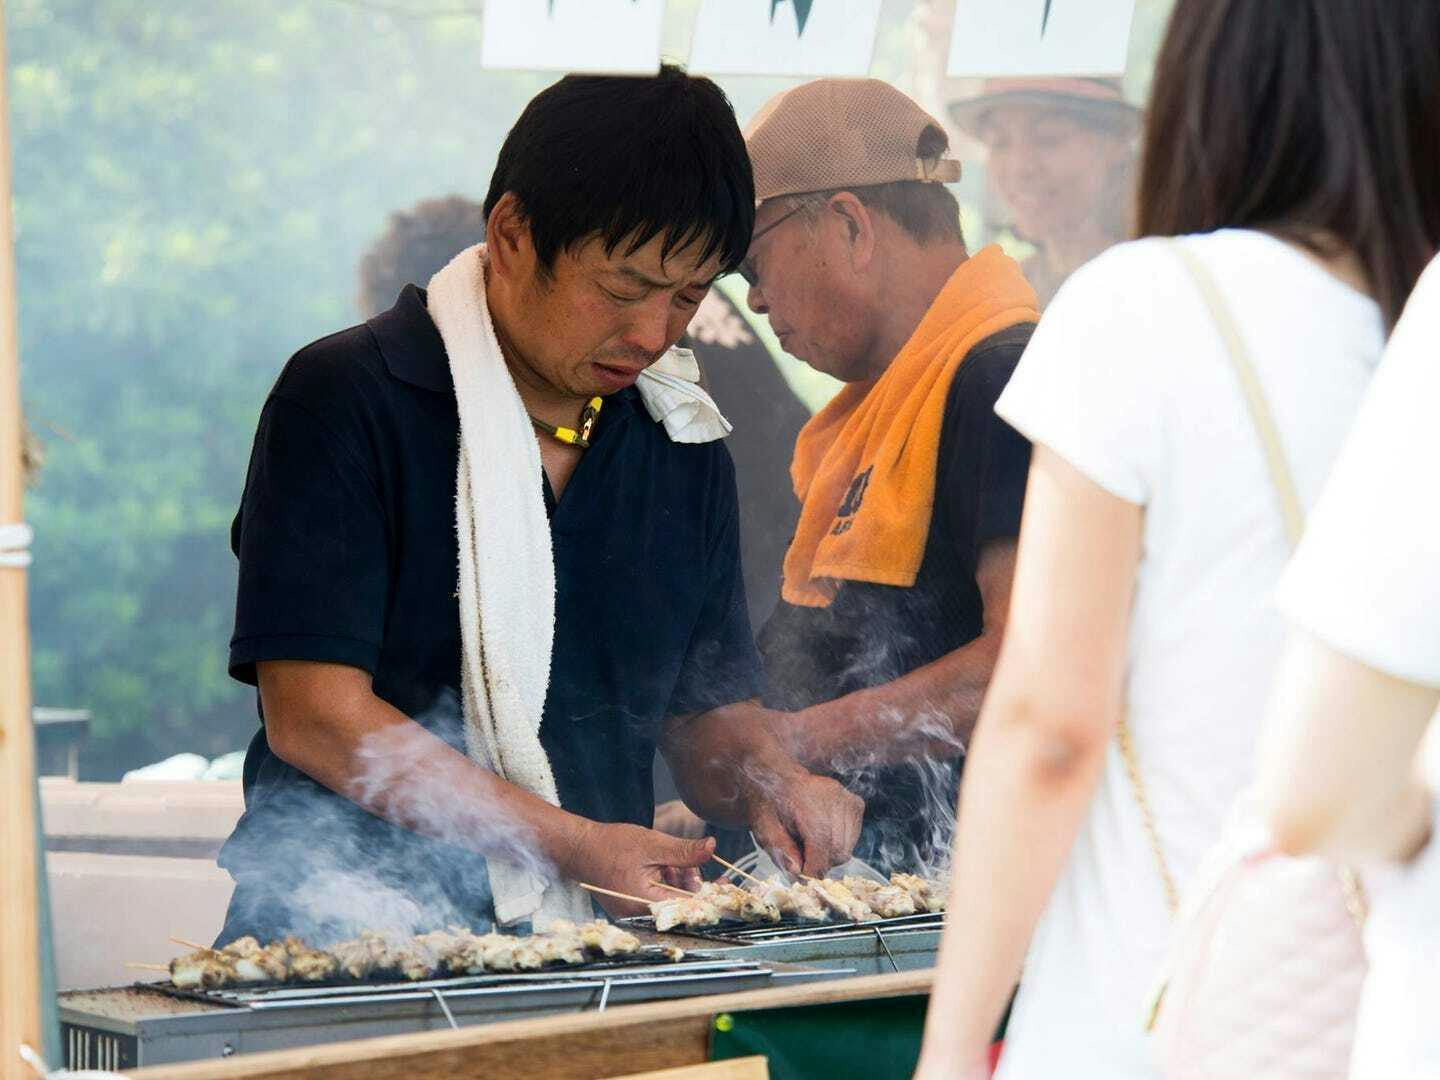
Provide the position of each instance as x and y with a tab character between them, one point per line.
866	1040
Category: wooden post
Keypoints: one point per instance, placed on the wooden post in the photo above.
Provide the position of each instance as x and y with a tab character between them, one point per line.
19	904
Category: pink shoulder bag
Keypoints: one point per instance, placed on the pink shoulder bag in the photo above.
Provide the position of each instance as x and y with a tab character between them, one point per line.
1267	960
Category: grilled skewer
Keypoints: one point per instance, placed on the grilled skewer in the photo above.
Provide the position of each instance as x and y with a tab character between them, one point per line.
796	900
740	903
685	911
889	901
599	936
458	951
927	895
455	951
202	970
310	965
359	956
841	900
254	962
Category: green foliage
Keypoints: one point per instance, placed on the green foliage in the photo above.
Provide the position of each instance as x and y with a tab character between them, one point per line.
194	185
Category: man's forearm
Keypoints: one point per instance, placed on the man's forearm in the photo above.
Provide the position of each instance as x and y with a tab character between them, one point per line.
365	749
931	711
726	761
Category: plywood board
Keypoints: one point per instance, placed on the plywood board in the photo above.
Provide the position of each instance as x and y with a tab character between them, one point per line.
615	36
759	37
1040	37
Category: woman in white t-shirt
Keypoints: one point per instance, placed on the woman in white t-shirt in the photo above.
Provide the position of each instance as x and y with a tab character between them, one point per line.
1358	685
1291	148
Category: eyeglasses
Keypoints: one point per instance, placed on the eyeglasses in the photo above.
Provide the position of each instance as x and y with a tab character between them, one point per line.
747	269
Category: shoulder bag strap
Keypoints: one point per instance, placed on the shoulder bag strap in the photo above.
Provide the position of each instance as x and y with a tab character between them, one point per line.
1280	476
1290	509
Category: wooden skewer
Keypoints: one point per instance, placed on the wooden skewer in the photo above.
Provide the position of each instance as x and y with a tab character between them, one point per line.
732	867
191	944
617	895
672	888
147	967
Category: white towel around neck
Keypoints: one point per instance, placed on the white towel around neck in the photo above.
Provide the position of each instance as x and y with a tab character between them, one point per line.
507	564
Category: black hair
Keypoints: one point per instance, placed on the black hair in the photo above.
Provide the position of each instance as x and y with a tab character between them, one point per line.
626	160
415	245
928	212
1317	120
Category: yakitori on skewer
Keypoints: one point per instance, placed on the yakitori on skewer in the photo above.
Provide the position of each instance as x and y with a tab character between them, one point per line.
440	953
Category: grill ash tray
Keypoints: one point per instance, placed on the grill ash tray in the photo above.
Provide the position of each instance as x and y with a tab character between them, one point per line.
740	932
649	963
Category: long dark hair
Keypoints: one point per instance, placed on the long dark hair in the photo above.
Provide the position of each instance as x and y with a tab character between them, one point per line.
1317	120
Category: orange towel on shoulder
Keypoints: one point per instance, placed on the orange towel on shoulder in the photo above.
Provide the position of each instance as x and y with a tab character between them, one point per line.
864	466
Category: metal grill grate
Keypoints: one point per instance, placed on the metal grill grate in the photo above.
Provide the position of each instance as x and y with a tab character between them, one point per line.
733	931
642	966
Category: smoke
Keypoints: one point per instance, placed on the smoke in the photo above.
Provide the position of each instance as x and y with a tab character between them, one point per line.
912	801
906	765
312	863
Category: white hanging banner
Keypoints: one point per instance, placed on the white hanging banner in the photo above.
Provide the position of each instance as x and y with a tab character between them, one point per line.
619	37
1040	37
785	37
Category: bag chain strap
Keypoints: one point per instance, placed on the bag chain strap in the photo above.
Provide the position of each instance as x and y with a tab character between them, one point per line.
1147	817
1290	509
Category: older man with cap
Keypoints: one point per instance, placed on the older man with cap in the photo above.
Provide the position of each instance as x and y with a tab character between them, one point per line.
1061	156
897	580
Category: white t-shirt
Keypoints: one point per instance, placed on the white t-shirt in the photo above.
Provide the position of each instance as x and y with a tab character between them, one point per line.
1366	580
1127	380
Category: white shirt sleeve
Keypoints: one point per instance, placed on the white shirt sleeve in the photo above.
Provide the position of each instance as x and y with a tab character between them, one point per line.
1366	577
1087	386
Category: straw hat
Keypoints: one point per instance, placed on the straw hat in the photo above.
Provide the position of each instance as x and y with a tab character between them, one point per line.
1102	100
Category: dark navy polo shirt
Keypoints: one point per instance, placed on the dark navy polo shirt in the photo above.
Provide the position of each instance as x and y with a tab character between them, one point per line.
873	634
348	553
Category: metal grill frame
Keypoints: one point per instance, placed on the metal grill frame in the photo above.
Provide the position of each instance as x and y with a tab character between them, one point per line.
737	932
103	1051
598	975
214	1030
650	959
805	932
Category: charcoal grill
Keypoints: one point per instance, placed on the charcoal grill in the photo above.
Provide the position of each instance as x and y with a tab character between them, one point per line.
878	947
736	931
154	1023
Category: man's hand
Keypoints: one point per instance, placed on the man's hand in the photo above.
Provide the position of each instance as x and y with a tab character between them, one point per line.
630	859
808	824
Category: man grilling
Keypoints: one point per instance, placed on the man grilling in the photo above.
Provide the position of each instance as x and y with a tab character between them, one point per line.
897	580
442	746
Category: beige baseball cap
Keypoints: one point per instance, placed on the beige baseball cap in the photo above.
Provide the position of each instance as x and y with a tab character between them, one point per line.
835	133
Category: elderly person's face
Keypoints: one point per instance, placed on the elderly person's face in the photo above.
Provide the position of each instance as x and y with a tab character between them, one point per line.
803	274
1052	167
